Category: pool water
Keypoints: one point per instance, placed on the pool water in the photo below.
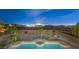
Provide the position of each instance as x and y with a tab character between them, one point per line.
53	46
32	46
26	46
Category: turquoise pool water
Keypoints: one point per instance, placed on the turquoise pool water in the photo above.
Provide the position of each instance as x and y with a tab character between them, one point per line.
31	46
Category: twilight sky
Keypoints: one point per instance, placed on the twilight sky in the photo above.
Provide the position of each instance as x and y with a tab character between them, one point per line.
41	16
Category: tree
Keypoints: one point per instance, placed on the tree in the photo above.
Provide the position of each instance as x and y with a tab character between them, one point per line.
41	29
12	31
2	29
75	30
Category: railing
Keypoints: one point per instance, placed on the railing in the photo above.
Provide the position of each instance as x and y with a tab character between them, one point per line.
31	37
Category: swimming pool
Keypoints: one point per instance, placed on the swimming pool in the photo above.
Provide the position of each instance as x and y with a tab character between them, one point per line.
32	46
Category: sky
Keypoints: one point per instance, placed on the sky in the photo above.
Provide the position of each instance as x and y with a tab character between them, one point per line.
39	16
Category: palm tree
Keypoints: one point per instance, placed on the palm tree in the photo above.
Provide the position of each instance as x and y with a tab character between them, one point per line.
41	29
